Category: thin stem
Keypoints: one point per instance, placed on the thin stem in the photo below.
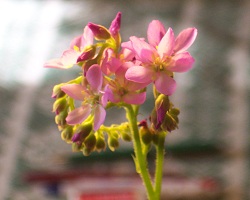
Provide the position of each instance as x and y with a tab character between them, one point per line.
159	164
140	159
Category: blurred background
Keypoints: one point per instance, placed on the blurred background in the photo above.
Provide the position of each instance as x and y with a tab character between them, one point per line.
208	157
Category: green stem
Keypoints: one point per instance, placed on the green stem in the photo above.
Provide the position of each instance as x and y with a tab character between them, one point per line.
159	164
140	159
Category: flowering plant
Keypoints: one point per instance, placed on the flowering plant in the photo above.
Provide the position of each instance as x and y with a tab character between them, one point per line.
113	73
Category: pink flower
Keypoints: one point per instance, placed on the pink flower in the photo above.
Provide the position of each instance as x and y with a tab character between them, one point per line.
93	99
70	56
112	61
161	57
122	90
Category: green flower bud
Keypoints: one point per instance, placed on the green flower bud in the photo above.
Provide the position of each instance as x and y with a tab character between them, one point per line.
113	143
155	138
90	142
57	92
60	119
67	134
59	105
100	143
169	123
174	111
82	132
76	147
146	135
126	136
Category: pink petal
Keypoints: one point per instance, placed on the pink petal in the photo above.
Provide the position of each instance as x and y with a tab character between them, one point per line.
78	115
54	63
87	38
69	58
143	50
128	54
156	31
75	91
106	94
185	39
100	114
139	74
127	45
94	77
76	42
165	84
166	44
182	62
135	98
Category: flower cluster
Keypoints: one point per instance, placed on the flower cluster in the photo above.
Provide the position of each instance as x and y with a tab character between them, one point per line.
115	73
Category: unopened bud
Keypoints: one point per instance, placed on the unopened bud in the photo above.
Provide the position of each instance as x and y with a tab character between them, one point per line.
100	32
169	123
100	144
90	142
59	105
82	132
60	119
113	143
126	136
67	134
57	92
162	105
76	147
87	54
146	135
115	25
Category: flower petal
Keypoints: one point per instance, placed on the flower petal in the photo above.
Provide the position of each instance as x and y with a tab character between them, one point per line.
76	42
185	39
139	74
155	33
69	58
75	91
143	50
135	98
165	84
94	77
78	115
55	63
182	62
100	114
166	44
87	37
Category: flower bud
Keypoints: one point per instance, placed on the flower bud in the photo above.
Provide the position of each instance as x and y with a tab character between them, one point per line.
57	92
87	54
169	123
115	25
90	142
100	143
76	147
162	105
146	135
126	136
113	143
59	105
82	132
60	119
67	134
100	32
